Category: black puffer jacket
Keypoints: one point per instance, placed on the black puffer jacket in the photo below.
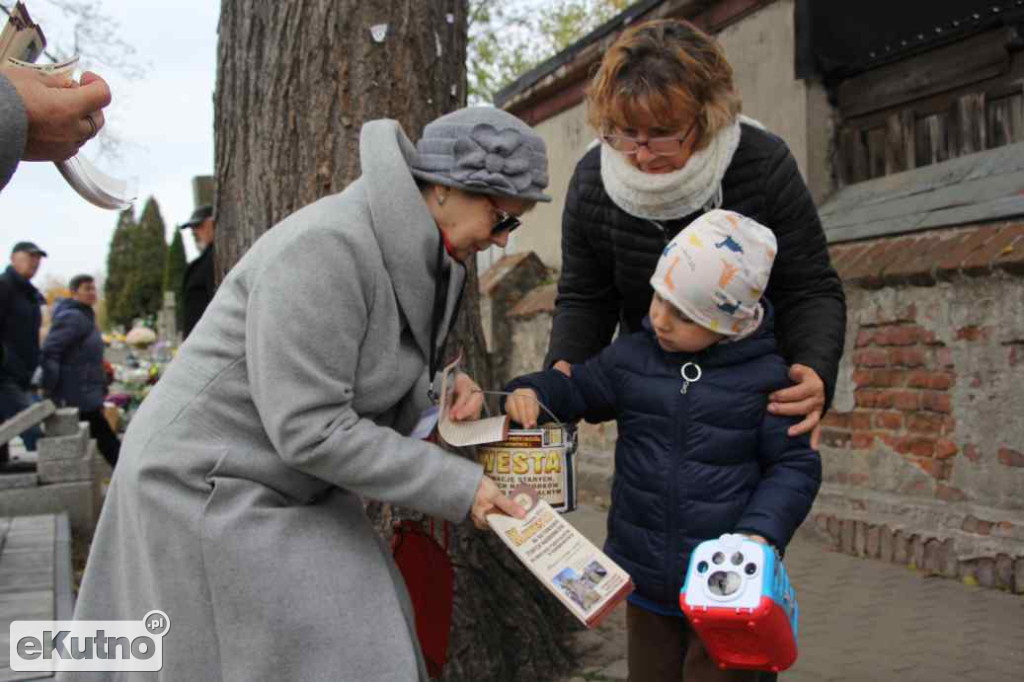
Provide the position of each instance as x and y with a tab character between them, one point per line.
608	257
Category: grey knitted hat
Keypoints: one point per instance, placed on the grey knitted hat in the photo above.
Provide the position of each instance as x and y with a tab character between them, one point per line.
483	150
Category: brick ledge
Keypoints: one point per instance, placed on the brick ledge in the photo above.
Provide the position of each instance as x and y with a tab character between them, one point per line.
926	258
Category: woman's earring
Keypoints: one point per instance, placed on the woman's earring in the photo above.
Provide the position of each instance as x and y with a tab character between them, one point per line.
441	198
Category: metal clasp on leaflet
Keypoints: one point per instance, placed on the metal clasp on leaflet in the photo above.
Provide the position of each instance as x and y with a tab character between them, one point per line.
691	374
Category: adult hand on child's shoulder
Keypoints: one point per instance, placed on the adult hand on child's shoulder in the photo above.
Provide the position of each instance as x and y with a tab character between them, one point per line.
805	399
563	367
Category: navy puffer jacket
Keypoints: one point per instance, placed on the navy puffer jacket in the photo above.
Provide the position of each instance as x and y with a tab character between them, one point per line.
690	465
73	357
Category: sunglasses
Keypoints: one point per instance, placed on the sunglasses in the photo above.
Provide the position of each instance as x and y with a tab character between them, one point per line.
659	146
506	221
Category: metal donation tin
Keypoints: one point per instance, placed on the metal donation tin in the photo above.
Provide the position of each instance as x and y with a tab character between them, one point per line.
543	458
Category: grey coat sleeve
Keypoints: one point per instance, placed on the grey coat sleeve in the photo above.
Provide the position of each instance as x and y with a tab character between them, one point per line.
306	316
13	130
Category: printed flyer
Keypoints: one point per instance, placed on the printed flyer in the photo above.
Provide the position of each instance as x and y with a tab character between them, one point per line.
571	567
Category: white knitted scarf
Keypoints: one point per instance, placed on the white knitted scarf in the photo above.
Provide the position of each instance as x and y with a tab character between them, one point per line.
664	196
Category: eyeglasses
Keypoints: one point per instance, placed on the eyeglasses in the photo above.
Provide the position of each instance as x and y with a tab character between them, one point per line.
506	221
659	146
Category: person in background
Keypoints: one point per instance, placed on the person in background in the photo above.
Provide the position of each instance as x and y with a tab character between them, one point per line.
42	119
199	285
72	362
20	319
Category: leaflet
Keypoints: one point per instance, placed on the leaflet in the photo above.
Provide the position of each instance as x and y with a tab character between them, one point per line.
21	38
569	565
462	434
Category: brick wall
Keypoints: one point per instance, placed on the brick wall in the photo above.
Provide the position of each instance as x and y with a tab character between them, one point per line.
924	444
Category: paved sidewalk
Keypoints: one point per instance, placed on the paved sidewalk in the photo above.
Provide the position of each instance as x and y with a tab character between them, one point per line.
862	620
35	578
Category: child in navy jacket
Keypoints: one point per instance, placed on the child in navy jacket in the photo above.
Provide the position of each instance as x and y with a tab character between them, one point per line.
698	454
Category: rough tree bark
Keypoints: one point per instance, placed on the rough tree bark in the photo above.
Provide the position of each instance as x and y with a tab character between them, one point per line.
295	82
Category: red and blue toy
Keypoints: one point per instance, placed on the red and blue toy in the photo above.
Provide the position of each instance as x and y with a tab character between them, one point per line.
738	599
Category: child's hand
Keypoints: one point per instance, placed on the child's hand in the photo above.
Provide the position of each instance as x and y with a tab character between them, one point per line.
522	407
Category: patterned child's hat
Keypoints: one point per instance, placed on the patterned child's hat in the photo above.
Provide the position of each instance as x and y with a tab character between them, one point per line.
716	270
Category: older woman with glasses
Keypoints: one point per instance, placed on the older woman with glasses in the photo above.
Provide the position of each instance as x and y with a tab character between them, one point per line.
237	505
673	146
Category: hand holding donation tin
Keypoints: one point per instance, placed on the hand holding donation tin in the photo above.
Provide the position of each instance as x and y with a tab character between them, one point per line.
523	407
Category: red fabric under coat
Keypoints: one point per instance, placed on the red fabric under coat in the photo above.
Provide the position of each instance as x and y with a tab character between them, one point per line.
430	579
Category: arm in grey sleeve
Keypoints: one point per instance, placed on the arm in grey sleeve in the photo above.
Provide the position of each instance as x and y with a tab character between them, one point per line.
13	130
304	329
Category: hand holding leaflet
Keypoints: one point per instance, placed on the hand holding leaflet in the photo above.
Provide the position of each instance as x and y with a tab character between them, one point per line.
63	114
580	575
463	433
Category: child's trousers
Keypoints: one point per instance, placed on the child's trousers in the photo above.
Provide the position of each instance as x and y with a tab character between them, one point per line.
666	649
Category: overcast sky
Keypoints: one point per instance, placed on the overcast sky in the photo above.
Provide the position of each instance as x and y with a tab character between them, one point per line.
165	121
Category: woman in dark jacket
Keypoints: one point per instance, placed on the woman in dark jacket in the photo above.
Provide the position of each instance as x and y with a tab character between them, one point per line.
72	361
674	146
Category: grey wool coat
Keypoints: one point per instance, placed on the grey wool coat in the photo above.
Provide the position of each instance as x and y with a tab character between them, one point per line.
235	506
13	130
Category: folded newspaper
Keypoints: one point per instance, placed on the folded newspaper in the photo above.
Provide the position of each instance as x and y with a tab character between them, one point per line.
569	565
21	44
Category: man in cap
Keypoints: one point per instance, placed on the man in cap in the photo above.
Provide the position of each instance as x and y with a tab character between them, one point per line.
20	318
199	285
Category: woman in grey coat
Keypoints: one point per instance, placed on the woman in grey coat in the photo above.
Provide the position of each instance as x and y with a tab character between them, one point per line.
237	505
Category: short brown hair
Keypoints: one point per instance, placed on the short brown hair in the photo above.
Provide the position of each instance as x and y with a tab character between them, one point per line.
78	280
667	70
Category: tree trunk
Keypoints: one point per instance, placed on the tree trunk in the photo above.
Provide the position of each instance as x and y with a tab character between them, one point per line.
295	82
